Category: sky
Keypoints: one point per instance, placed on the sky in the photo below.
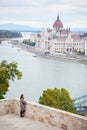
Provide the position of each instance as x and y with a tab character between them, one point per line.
43	13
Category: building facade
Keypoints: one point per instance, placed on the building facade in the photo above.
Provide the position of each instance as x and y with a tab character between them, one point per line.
86	47
58	40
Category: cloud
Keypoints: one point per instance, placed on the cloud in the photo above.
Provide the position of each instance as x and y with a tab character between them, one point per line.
39	3
44	11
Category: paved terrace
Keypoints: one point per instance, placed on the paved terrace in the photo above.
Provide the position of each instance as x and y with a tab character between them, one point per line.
37	117
14	122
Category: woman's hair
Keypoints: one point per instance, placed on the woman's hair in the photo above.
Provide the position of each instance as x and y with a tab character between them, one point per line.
21	96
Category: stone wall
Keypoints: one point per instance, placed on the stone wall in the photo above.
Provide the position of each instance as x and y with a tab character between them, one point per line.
55	117
5	106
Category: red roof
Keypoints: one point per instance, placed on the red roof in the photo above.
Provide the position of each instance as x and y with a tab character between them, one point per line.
58	23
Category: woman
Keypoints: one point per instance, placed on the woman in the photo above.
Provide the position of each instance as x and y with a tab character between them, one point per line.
22	105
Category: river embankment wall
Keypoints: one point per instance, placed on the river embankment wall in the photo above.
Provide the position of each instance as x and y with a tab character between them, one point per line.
60	56
52	116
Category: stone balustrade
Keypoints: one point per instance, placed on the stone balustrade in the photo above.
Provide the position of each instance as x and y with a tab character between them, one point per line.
52	116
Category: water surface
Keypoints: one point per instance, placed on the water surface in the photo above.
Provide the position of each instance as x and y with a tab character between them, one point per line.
40	73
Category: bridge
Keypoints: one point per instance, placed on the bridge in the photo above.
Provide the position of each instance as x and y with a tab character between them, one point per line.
81	104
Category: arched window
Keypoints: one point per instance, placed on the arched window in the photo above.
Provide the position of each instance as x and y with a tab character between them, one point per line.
70	49
67	49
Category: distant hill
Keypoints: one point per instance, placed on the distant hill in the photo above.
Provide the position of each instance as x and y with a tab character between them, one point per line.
17	27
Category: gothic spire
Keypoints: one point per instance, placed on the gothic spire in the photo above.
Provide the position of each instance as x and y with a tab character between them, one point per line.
58	17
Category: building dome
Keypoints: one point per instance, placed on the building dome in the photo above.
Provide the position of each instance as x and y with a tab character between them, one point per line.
58	24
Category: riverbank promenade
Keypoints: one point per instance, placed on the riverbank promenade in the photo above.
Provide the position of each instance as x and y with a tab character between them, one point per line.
15	122
64	57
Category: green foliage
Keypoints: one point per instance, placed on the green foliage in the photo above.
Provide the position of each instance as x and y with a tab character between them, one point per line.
28	42
81	53
9	34
57	98
7	72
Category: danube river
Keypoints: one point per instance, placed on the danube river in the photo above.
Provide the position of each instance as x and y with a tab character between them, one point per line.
40	73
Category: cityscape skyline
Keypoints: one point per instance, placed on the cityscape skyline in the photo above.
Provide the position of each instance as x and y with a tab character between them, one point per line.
43	13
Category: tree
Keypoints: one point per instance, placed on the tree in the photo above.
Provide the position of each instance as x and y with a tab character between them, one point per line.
30	43
57	98
8	71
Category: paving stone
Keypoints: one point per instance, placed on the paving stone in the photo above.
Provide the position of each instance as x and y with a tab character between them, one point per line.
14	122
